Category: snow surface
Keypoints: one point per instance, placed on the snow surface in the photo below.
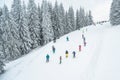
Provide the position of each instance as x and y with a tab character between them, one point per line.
99	60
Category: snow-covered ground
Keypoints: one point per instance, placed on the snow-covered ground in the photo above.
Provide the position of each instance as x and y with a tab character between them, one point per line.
99	60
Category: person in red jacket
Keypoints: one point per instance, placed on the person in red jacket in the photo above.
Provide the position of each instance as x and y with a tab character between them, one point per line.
79	48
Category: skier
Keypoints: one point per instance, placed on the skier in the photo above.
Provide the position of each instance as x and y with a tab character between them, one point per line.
66	53
47	58
84	43
74	54
60	59
53	49
79	48
54	40
82	36
67	38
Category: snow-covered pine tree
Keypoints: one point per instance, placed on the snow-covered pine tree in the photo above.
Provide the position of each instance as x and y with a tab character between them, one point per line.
46	23
0	11
10	36
77	19
56	24
41	38
1	33
1	67
61	12
71	20
16	12
24	32
32	18
87	19
66	28
90	18
82	18
115	12
1	45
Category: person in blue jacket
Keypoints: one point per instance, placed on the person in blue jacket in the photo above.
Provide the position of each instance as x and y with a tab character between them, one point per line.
74	54
67	38
47	58
53	49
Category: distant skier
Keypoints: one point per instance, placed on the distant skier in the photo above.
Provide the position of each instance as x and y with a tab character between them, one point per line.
66	53
84	43
54	40
82	36
67	38
60	60
53	49
74	54
47	58
79	48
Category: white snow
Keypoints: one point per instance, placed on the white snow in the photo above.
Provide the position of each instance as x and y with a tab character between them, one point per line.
99	60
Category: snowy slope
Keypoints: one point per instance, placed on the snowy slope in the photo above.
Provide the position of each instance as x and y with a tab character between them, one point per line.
99	60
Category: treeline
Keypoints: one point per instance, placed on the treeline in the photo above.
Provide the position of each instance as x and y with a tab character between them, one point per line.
115	12
25	28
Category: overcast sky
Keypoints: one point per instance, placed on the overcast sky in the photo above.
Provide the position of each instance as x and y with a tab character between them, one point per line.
100	8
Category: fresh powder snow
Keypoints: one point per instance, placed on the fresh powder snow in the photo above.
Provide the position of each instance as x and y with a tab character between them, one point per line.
98	60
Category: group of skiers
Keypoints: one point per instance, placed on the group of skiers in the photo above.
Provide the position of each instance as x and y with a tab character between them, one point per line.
60	58
66	52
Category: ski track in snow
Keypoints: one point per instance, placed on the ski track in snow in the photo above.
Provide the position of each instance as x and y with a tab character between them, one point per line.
88	64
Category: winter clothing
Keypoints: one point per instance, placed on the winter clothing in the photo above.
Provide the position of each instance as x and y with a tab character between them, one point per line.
79	47
60	59
74	54
82	36
53	49
84	40
84	43
47	58
66	54
54	40
67	38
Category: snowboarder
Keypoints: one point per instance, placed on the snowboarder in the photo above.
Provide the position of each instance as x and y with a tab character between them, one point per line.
47	58
79	48
74	54
53	49
66	53
60	59
67	38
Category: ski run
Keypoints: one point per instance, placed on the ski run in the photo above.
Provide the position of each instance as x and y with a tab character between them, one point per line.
98	60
